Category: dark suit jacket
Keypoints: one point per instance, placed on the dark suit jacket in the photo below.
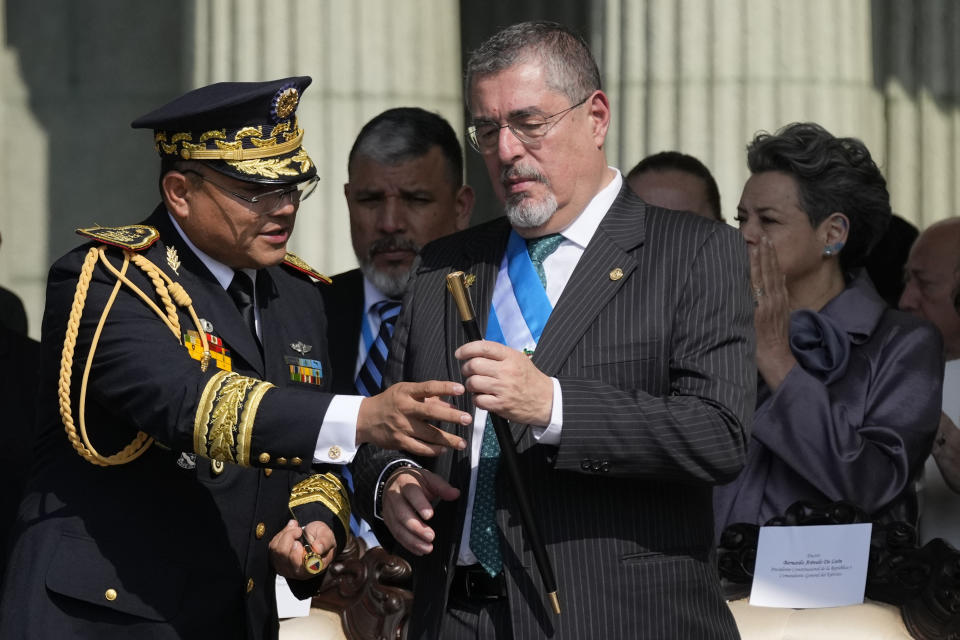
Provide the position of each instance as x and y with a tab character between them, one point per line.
19	381
180	546
657	376
343	301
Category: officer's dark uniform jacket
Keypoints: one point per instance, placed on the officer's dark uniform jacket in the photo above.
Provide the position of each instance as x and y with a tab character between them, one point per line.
164	545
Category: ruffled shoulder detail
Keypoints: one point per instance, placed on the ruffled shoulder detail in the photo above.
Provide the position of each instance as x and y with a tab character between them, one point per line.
819	344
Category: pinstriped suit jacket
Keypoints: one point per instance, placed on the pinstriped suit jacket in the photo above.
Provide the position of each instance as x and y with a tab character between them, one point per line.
658	382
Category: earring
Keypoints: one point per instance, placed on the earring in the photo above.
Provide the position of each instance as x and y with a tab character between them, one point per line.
832	249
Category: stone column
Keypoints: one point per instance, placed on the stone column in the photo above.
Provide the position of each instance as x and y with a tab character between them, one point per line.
72	77
702	76
364	56
918	65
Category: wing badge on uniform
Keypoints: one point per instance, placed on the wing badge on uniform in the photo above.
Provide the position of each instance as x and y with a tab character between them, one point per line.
301	348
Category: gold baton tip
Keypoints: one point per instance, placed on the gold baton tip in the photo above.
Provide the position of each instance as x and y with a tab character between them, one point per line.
458	289
555	601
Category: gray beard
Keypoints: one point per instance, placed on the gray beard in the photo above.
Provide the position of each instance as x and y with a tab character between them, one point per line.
524	212
390	285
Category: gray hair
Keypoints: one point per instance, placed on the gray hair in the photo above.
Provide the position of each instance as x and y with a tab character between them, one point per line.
569	66
405	133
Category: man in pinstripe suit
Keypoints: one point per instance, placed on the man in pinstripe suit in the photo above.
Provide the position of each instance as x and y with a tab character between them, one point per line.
621	355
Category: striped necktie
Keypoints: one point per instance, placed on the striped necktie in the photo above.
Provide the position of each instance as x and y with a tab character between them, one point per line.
370	379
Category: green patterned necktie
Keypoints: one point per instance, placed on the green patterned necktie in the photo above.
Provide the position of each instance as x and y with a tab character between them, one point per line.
539	249
484	541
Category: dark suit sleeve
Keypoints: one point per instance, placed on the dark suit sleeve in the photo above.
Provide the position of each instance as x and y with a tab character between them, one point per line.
696	431
143	379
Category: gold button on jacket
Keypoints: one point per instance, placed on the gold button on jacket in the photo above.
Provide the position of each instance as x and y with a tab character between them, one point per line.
261	530
111	595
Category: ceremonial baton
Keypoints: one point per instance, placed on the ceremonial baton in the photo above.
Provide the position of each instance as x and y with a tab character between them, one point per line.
508	454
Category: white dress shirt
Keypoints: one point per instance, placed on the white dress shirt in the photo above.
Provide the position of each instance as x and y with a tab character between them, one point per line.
558	267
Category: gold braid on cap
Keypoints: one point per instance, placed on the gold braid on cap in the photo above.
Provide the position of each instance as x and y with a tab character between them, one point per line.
326	489
249	149
171	295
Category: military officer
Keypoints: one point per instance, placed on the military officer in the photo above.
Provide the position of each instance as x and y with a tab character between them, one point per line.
184	407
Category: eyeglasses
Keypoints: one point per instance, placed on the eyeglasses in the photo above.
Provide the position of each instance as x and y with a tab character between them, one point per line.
268	201
485	136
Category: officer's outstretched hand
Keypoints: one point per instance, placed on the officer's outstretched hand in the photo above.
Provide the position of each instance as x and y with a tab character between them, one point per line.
408	498
400	417
286	552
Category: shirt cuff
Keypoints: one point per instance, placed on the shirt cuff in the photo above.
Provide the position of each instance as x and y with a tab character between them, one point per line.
551	435
337	440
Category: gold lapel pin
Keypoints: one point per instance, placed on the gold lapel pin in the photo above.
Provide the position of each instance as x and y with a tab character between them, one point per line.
616	274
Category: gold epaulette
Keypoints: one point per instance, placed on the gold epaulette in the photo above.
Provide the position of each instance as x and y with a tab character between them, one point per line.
135	237
327	490
296	262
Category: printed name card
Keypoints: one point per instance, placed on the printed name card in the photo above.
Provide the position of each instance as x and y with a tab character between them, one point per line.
812	566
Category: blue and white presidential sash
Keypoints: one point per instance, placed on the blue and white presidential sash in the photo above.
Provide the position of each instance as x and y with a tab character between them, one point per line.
520	308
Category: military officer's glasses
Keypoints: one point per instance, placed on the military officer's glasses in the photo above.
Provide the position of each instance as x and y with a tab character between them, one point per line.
268	201
484	137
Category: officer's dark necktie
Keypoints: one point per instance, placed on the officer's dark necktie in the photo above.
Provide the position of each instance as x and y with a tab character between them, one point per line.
241	291
484	542
370	379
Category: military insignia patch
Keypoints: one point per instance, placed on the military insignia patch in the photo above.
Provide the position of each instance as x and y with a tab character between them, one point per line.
206	325
218	353
187	460
304	370
301	348
285	103
173	260
296	262
135	237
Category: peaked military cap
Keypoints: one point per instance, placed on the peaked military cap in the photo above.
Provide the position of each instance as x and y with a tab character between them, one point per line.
246	130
